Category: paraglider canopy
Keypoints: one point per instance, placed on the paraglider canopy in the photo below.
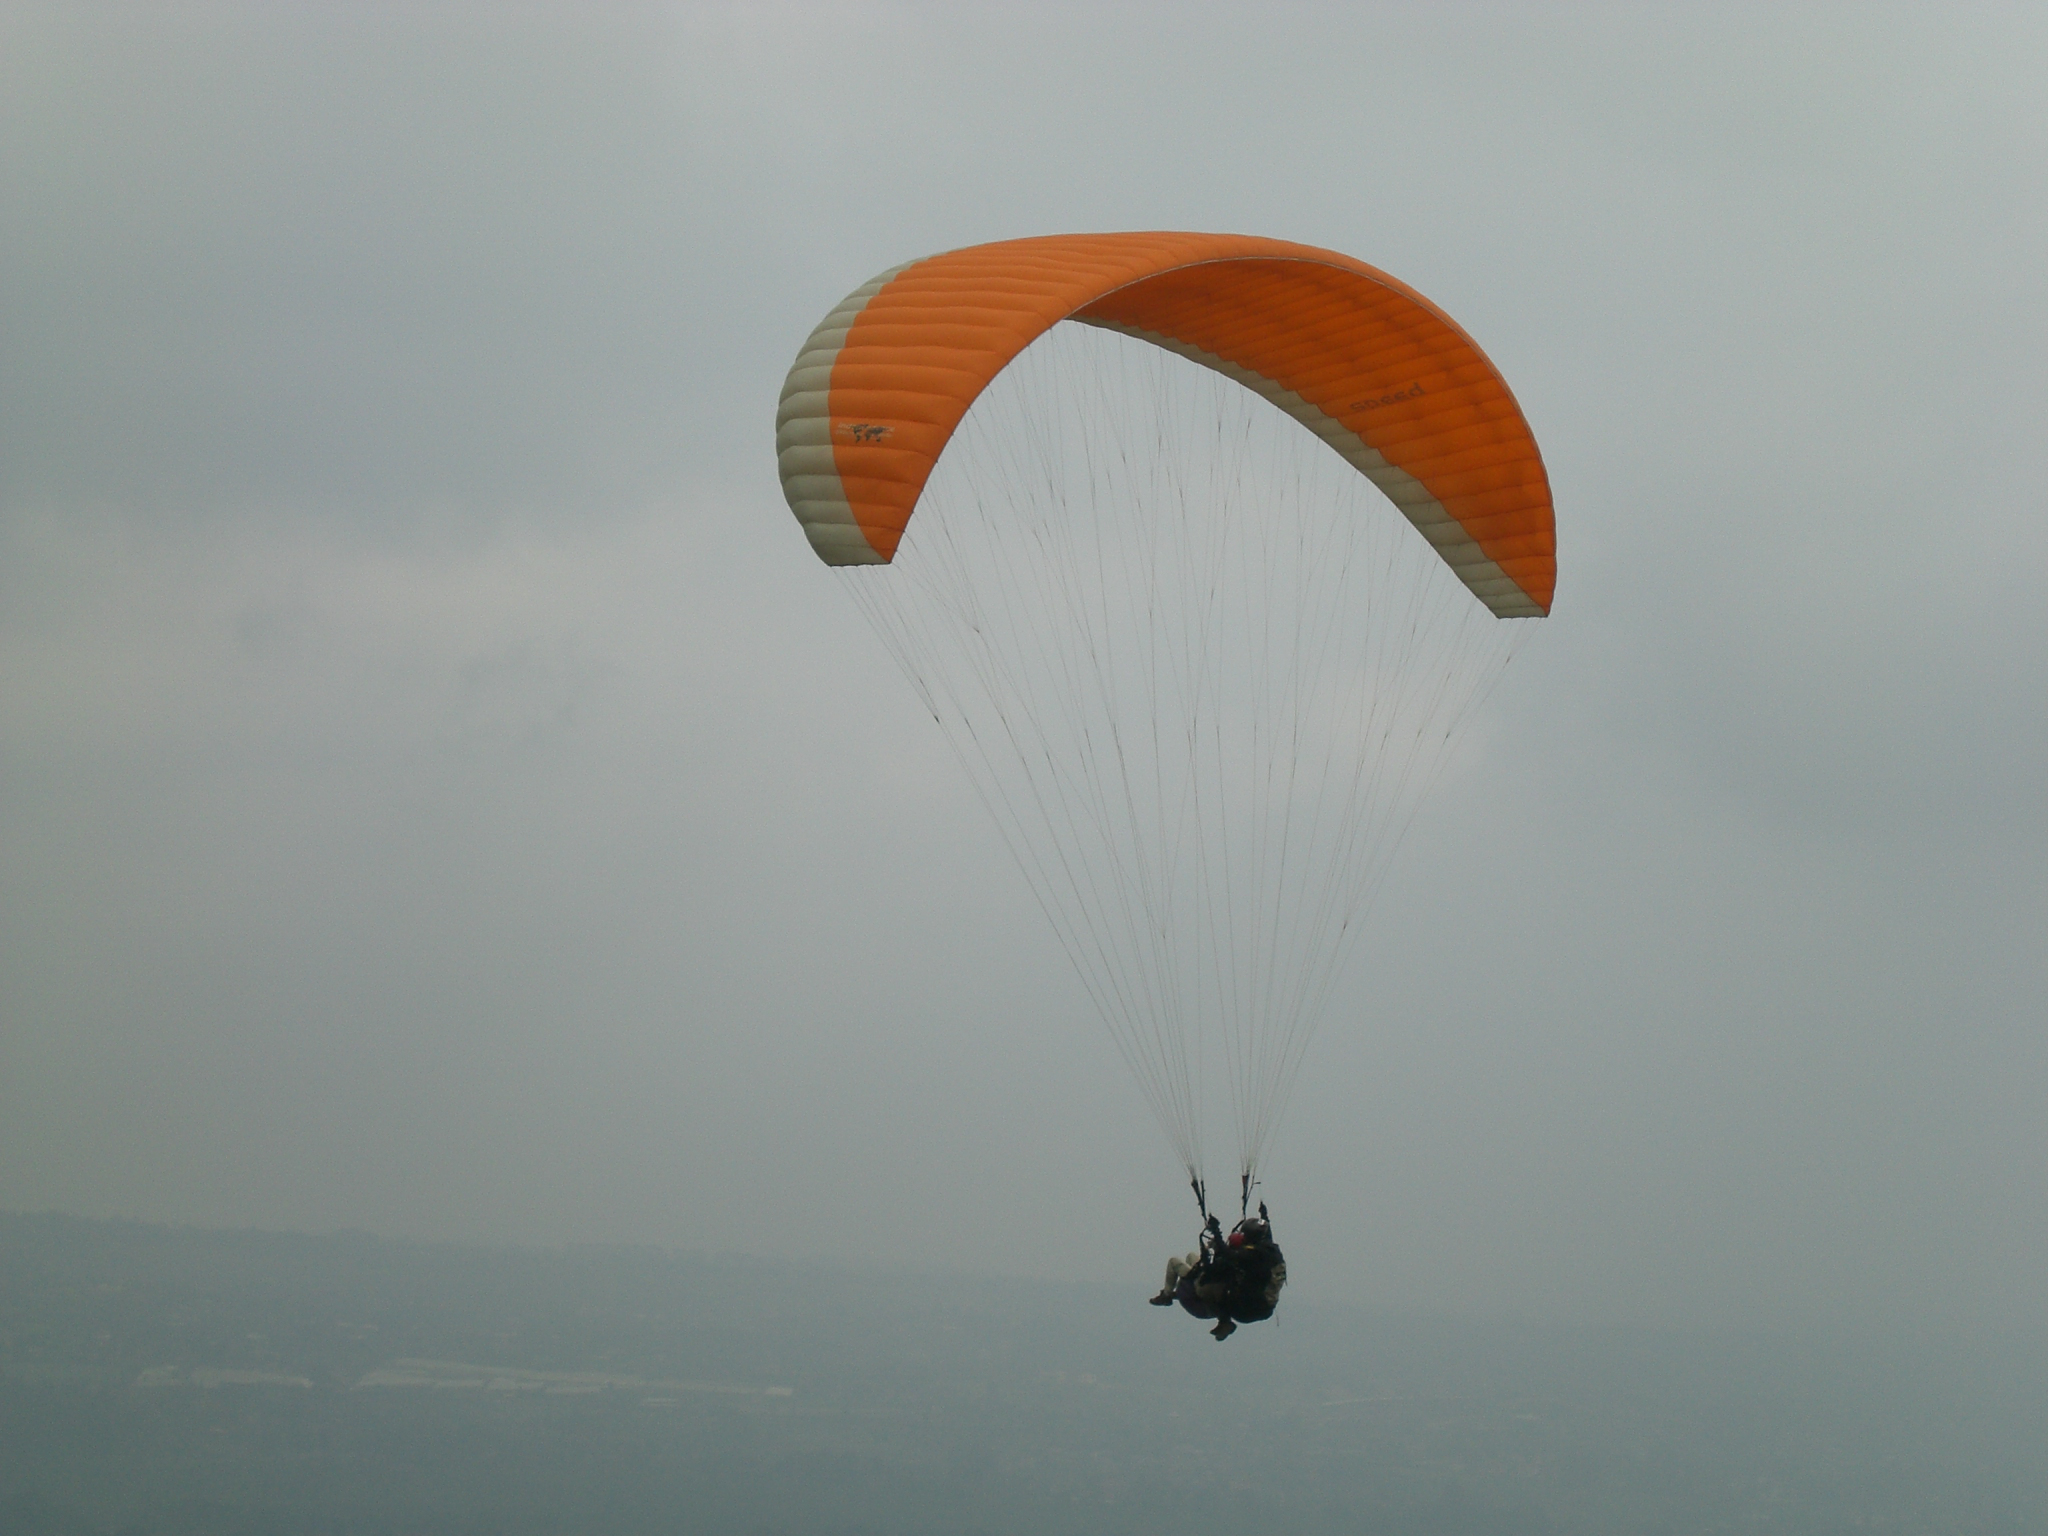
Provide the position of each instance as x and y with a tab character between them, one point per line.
1362	360
1199	675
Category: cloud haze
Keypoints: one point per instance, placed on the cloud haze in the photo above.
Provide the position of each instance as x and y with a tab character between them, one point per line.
442	794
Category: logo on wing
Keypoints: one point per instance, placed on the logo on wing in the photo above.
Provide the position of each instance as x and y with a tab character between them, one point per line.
1412	392
865	431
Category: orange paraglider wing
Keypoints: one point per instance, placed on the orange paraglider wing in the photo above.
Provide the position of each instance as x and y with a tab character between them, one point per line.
1383	376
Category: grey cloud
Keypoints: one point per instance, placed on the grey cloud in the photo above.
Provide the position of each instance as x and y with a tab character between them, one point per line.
442	795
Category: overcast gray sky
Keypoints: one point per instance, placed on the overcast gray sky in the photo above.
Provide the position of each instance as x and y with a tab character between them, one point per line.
425	735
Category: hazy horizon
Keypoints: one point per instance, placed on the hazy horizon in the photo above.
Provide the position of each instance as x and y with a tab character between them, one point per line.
164	1380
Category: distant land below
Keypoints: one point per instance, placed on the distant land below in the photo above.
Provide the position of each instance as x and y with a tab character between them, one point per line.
170	1379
